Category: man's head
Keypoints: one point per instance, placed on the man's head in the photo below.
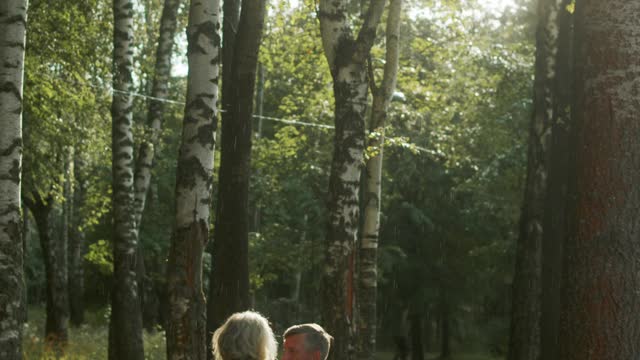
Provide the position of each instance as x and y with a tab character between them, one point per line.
306	342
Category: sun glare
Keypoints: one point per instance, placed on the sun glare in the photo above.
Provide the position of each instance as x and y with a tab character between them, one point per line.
496	5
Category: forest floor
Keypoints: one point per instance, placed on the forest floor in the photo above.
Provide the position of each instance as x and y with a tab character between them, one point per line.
89	341
384	355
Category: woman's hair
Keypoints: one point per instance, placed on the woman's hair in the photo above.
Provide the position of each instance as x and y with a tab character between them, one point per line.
244	336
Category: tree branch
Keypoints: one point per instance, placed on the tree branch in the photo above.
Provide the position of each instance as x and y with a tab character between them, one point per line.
392	50
367	34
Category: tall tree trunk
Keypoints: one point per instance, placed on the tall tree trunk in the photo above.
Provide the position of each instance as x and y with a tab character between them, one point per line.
217	311
601	302
368	273
62	243
54	256
346	57
77	243
125	332
13	21
445	344
417	350
146	152
524	342
555	202
229	290
428	331
186	332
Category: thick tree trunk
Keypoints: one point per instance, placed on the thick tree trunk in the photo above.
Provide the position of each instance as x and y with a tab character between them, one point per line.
428	332
146	152
217	310
346	57
150	303
368	274
13	21
77	244
54	257
524	342
229	290
186	331
445	344
417	350
555	202
601	302
125	335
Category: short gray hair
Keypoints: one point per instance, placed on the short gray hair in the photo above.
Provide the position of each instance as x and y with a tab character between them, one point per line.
244	336
315	338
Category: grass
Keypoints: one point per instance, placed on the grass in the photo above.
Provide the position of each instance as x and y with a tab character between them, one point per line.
89	341
383	355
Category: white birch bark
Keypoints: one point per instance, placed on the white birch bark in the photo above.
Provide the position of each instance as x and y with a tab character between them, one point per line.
346	57
368	275
147	149
186	333
146	153
13	20
125	335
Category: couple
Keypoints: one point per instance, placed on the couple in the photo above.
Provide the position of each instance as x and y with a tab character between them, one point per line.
248	336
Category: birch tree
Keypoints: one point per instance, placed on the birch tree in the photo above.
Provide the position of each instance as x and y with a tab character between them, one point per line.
146	152
13	21
524	342
229	289
346	56
368	274
125	329
186	333
601	267
148	145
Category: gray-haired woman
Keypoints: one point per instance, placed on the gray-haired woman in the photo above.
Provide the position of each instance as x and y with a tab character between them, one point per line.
245	336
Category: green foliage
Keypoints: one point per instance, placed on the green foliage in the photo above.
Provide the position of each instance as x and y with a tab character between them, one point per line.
298	79
454	157
291	210
65	104
100	254
571	7
453	205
